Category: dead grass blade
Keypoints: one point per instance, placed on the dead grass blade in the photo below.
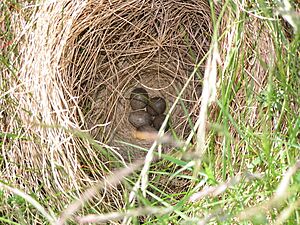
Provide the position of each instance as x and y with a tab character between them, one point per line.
217	190
143	180
277	200
115	216
109	182
286	213
48	215
208	96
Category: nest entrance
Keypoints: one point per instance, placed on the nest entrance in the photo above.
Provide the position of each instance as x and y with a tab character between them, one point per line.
118	46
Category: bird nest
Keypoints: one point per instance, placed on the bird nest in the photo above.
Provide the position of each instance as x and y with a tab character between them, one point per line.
116	47
79	62
78	67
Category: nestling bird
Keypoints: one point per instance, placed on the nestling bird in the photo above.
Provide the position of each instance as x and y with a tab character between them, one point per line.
140	118
147	128
139	98
156	106
145	133
158	121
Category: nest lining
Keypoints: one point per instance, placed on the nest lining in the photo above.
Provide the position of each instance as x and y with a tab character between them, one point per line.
148	44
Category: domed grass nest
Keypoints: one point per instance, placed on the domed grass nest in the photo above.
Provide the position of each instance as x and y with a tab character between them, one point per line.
119	46
79	62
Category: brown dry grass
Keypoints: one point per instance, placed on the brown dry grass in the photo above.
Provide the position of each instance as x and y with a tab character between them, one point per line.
77	67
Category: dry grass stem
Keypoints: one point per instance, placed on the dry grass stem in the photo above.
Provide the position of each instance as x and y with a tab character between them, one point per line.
149	157
120	215
284	184
48	215
278	198
208	96
286	213
217	190
108	183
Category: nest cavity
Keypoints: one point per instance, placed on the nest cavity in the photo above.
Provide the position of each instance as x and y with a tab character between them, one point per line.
117	46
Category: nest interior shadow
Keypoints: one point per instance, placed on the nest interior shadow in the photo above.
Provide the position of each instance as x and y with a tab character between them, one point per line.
117	46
